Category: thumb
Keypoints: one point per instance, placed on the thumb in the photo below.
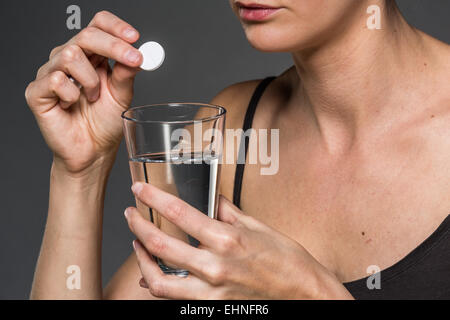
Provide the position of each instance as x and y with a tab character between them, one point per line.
228	212
122	82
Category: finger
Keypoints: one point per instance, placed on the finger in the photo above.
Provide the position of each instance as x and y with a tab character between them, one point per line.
166	247
122	82
73	61
189	219
111	24
94	59
44	94
229	213
168	286
115	26
95	41
226	211
55	51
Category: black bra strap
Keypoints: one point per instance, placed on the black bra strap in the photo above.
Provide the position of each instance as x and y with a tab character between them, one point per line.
248	121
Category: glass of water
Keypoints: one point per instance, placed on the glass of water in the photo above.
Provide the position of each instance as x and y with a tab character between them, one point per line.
177	147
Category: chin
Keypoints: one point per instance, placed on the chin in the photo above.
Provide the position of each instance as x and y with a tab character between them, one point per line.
268	38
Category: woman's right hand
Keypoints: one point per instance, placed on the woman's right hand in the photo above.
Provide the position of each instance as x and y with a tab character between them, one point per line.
82	126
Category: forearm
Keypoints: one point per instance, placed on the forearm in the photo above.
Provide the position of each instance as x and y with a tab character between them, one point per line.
73	235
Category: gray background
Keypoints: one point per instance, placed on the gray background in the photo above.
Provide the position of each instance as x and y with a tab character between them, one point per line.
206	51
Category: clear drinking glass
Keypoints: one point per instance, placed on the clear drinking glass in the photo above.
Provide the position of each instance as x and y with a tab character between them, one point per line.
177	147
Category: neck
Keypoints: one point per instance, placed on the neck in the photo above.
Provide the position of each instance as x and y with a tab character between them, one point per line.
351	83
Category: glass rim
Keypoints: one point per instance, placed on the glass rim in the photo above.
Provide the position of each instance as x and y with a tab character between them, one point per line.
222	112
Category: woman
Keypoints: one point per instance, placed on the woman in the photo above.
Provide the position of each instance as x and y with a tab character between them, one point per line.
364	164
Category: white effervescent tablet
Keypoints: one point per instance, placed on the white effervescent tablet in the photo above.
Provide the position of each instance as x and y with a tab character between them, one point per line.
153	54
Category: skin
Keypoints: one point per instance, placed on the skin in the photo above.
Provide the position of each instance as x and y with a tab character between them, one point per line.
364	161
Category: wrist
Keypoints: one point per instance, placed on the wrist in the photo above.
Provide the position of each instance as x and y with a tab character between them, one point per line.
97	171
76	199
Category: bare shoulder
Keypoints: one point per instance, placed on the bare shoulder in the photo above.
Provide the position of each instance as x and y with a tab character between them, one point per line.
235	99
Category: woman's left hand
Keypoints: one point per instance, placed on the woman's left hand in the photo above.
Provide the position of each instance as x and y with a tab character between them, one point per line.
238	258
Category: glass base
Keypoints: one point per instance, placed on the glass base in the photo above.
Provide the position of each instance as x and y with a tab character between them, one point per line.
168	270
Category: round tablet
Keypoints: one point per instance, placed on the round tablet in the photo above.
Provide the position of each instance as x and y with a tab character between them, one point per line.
153	54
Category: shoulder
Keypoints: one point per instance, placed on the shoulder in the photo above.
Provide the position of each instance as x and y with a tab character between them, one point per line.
235	99
237	89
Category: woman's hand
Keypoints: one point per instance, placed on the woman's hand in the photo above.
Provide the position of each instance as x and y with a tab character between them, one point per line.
239	257
82	126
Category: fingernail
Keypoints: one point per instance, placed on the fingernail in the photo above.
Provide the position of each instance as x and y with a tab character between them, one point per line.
143	284
126	213
130	33
133	56
94	97
135	245
137	188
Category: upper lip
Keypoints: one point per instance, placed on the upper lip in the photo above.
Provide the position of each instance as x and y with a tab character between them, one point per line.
253	5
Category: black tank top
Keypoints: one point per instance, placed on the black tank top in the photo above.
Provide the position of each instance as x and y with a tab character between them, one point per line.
422	274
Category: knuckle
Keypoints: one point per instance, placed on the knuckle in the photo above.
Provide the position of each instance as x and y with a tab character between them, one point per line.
229	241
216	274
28	93
157	288
86	34
56	79
132	219
175	210
71	53
101	15
40	70
54	51
44	69
155	243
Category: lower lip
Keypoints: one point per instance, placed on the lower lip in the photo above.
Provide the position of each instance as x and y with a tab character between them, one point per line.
256	14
